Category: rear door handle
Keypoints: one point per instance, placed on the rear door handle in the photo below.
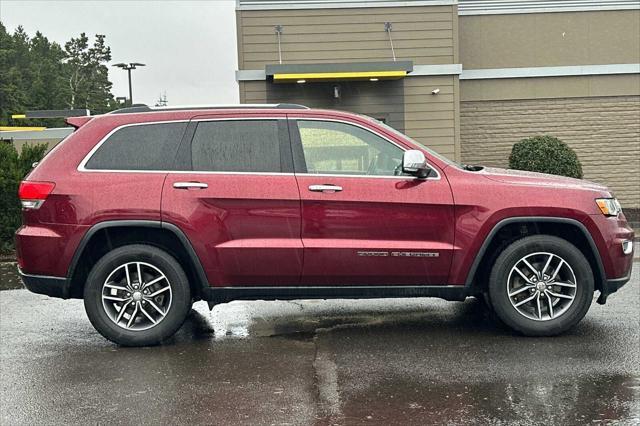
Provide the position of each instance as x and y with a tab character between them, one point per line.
325	188
189	185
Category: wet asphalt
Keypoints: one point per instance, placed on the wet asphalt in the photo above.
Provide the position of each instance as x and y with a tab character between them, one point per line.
399	361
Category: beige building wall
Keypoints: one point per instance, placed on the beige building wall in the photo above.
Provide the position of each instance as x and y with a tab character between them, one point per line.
604	132
426	35
406	104
550	39
550	87
432	119
597	115
473	120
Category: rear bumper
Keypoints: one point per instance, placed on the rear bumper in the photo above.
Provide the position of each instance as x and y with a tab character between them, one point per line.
42	284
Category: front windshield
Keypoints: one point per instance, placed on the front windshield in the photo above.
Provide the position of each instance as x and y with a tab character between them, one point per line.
400	134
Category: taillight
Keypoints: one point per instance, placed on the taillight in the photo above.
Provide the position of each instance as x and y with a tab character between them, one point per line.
33	194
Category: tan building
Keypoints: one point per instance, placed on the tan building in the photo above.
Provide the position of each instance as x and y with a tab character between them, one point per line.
467	78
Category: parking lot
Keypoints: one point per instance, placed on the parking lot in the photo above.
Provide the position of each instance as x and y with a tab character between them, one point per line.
401	361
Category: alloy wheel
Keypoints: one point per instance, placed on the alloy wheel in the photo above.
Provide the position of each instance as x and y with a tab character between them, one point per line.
136	296
541	286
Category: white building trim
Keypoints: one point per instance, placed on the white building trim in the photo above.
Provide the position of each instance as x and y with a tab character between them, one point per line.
334	4
497	7
250	75
465	7
448	69
572	70
491	73
418	70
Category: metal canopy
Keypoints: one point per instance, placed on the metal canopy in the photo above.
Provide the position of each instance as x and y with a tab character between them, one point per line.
349	71
53	113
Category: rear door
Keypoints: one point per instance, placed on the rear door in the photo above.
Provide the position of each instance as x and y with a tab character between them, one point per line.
363	223
236	198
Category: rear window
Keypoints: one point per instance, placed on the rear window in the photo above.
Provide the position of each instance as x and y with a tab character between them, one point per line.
236	146
139	147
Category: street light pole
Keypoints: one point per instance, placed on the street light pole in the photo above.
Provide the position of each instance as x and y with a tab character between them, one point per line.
130	89
128	67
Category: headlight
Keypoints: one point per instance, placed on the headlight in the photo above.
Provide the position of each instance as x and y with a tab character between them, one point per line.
609	206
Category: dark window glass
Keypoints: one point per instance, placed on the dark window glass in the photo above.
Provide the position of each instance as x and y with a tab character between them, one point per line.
139	147
236	146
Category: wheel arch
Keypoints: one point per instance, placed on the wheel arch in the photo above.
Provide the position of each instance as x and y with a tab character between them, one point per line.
105	236
510	229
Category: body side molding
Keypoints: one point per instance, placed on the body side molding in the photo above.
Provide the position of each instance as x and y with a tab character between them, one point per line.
227	294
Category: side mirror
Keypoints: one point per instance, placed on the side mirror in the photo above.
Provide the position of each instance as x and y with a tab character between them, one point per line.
414	163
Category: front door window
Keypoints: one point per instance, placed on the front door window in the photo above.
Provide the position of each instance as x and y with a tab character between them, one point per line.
339	148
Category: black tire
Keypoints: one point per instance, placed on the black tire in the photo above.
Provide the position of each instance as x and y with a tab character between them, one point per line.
509	314
174	316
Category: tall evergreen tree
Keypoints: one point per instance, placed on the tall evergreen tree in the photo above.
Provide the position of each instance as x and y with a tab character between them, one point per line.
36	73
88	77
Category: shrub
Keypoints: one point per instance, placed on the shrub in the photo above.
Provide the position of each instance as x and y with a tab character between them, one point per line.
545	154
13	167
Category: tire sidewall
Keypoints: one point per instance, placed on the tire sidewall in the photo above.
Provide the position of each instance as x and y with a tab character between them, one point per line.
498	291
180	303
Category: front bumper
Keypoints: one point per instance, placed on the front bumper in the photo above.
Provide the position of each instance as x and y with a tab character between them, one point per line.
613	285
42	284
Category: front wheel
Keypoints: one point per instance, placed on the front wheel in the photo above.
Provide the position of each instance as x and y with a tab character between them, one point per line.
137	295
541	285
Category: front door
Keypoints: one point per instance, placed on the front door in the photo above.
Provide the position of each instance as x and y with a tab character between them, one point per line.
237	201
363	223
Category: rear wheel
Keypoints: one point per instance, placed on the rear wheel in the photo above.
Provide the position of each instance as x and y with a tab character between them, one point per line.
137	295
541	285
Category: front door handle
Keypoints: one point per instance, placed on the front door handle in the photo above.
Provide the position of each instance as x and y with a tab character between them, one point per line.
325	188
189	185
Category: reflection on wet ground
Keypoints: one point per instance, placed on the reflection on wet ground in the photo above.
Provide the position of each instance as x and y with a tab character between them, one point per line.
401	361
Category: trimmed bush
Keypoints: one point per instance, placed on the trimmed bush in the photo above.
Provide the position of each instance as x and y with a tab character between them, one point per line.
545	154
13	167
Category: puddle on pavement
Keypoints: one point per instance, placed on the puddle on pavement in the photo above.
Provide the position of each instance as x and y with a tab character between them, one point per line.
243	319
547	400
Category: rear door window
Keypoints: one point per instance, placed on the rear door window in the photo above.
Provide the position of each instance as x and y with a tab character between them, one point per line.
237	146
139	147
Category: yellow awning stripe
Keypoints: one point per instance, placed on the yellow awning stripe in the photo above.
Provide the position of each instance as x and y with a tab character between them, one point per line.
352	75
19	129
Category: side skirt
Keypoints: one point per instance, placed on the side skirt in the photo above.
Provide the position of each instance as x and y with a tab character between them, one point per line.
227	294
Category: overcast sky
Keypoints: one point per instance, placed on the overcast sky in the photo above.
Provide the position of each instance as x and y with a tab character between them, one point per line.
189	46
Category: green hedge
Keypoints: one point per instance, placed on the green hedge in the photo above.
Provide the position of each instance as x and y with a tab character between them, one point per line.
545	154
13	167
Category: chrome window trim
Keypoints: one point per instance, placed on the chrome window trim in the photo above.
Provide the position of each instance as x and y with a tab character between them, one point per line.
437	177
82	166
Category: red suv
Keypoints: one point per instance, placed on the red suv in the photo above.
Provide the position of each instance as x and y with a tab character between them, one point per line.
142	211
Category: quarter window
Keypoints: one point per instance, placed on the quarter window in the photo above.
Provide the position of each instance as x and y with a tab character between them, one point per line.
339	148
236	146
139	147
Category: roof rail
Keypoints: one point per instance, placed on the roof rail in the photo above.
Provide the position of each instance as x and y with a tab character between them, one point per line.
146	108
